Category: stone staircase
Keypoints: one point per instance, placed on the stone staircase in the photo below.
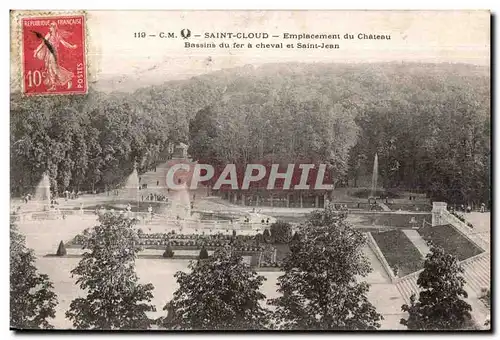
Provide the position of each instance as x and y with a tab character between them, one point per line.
477	275
407	286
477	269
152	177
477	272
156	179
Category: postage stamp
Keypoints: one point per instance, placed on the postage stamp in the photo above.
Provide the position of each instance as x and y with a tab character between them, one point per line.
53	55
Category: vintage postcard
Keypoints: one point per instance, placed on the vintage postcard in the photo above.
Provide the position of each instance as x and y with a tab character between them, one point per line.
250	170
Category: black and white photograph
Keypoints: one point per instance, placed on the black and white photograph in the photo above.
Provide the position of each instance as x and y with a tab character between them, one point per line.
250	170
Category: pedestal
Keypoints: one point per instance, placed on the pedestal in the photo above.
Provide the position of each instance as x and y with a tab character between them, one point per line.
437	210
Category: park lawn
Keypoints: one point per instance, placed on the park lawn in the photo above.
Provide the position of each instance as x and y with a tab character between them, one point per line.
451	240
399	251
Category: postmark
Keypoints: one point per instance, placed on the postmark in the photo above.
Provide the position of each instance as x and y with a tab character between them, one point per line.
53	55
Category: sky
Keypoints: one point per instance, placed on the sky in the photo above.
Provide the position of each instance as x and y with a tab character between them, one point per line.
120	61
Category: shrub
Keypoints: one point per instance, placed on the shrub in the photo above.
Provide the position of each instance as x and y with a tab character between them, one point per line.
296	237
169	253
266	235
281	232
203	253
61	250
78	239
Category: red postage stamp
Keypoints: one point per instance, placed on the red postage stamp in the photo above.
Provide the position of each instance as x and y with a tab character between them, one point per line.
54	55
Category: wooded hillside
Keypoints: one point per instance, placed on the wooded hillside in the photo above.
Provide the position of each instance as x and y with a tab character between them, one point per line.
429	123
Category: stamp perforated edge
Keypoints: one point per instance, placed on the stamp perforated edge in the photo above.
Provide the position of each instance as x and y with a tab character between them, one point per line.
17	83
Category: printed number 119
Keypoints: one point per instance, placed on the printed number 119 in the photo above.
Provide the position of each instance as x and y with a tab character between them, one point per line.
140	35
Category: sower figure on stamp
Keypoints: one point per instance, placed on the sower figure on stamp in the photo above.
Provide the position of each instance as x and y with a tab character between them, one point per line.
55	74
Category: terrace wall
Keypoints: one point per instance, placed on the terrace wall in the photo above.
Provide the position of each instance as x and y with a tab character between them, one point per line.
441	216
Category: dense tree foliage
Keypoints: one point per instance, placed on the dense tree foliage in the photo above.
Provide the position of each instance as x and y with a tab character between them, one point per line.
32	300
281	232
440	305
114	298
321	288
219	293
91	142
429	123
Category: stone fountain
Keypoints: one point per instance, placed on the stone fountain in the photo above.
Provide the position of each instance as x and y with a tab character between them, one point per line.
130	190
41	198
180	203
42	191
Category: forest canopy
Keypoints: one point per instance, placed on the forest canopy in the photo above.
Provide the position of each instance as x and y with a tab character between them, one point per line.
429	123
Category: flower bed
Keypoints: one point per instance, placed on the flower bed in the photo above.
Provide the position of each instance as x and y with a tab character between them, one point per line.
462	219
187	242
270	265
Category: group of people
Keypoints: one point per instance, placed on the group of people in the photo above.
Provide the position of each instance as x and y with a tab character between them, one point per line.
53	203
128	209
67	195
27	198
341	207
71	195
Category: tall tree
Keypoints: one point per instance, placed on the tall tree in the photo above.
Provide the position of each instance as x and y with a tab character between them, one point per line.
32	300
320	287
281	232
440	305
220	293
115	299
